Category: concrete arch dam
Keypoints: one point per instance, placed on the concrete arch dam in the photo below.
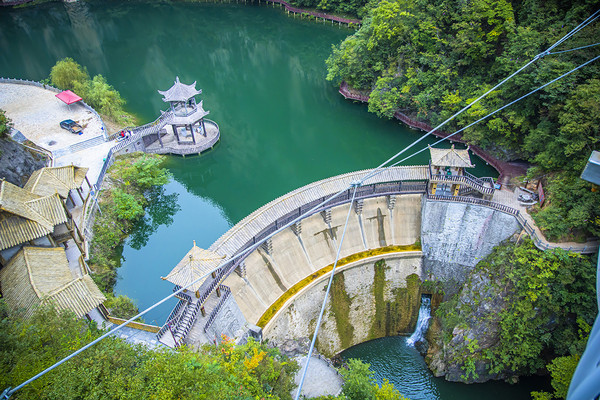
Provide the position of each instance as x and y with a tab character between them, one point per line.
396	238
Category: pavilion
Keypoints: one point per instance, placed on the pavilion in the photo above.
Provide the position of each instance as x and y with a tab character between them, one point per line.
187	116
38	275
447	175
196	264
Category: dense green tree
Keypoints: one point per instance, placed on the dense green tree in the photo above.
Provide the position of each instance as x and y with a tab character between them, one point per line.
429	58
548	306
68	74
4	123
114	369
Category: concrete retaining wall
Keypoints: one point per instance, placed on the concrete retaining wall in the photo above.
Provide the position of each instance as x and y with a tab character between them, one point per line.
356	310
456	236
292	256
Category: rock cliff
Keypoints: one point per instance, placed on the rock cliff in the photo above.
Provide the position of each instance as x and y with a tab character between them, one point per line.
17	162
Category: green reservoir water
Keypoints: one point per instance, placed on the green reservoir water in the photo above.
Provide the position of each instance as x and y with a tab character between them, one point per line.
263	79
392	359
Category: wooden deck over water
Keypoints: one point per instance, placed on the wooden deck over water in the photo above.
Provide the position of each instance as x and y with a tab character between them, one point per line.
203	143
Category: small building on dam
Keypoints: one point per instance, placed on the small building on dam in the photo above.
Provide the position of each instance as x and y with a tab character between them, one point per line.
408	225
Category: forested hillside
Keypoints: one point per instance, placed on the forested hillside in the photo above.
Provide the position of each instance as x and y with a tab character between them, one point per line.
429	58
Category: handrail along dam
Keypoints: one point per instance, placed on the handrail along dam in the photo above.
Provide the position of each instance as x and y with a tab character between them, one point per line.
398	235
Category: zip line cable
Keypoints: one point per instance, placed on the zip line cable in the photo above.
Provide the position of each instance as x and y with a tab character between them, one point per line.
494	112
337	258
10	391
579	27
582	25
578	48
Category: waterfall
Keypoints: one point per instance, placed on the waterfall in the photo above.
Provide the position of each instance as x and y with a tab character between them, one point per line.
422	321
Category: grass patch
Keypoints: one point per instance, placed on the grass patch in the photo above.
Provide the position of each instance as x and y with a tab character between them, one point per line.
278	304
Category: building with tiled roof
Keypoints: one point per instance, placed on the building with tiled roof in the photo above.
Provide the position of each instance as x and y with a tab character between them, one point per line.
37	275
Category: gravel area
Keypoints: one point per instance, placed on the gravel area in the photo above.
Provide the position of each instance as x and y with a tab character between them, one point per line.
320	380
36	112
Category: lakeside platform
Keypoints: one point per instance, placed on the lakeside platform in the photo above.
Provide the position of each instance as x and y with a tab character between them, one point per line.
202	141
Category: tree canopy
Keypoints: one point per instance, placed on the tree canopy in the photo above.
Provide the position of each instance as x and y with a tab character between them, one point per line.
114	369
429	58
68	74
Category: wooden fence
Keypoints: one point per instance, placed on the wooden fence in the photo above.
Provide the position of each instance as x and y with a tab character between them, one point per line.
505	169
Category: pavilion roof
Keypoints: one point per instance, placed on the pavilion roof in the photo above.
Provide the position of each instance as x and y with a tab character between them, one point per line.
180	92
195	264
37	275
194	117
26	216
450	157
61	180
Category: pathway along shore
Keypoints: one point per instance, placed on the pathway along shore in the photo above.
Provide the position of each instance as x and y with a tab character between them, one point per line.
507	170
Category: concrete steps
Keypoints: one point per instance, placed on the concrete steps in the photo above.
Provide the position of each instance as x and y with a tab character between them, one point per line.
74	148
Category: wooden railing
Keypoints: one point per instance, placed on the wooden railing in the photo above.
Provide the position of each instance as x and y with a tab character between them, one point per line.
184	328
473	200
170	318
135	325
325	16
502	167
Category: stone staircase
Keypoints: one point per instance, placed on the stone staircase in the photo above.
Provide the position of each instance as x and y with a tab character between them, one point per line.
74	148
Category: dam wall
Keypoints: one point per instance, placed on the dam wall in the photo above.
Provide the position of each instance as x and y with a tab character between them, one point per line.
281	257
369	299
372	296
456	236
303	249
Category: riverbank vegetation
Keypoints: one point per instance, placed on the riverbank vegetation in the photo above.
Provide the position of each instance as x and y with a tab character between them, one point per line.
430	58
115	369
96	92
522	311
4	124
133	200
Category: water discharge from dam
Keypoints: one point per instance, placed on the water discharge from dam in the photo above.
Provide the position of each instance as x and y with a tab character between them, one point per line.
422	322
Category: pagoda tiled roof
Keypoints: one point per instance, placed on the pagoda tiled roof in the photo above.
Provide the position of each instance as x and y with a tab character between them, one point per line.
180	92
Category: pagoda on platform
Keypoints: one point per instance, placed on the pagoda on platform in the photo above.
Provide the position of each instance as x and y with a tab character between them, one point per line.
187	119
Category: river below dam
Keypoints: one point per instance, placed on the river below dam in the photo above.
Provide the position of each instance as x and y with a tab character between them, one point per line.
282	125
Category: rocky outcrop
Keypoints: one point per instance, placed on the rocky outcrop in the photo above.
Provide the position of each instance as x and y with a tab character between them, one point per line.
17	162
466	330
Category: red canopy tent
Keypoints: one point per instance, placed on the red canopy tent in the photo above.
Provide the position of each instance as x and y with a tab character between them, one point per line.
68	97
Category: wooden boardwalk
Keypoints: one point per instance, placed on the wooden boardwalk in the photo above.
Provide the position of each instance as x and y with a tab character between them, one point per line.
507	170
324	16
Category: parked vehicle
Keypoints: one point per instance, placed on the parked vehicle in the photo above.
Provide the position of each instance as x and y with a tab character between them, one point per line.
71	126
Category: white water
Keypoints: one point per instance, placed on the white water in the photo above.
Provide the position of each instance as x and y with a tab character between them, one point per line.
422	322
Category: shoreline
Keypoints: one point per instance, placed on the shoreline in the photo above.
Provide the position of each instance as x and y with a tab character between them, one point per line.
506	170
